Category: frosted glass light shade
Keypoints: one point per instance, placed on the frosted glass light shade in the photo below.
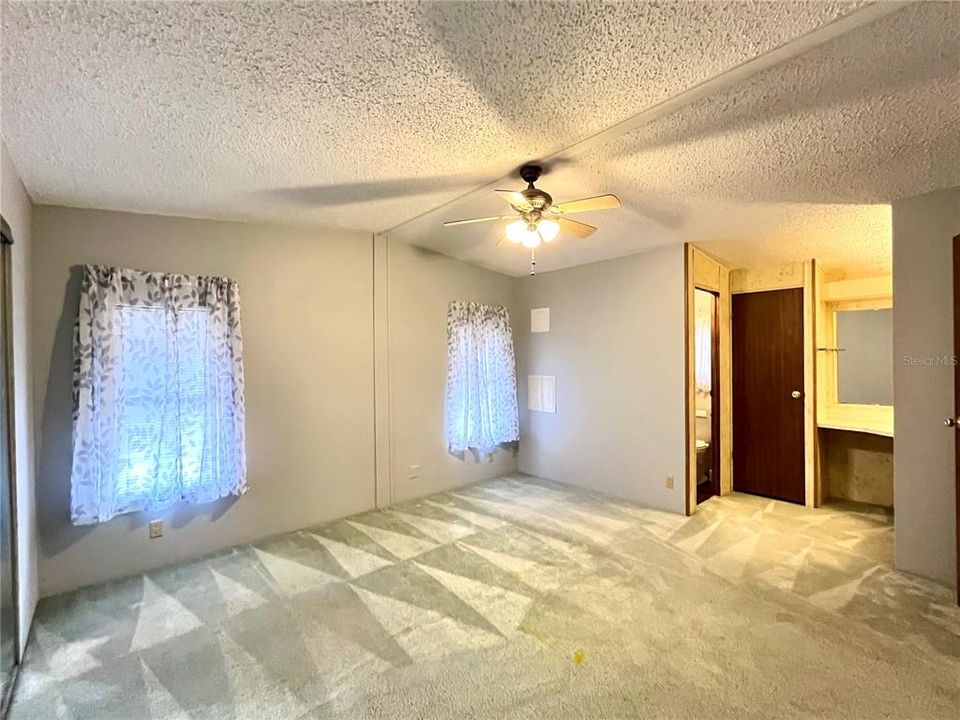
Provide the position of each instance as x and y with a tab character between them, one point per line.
548	229
518	232
531	239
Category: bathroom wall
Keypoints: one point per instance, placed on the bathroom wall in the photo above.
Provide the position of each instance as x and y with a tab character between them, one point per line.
703	403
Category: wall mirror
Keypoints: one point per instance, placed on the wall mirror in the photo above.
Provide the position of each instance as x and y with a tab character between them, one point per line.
864	356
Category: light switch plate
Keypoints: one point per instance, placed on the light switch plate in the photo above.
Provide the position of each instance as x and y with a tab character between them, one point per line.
540	320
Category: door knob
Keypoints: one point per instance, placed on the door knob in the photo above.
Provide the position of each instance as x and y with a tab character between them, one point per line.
796	394
951	422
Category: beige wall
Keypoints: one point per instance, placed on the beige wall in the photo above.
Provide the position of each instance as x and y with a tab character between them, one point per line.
307	315
616	347
309	349
924	471
17	210
308	300
421	286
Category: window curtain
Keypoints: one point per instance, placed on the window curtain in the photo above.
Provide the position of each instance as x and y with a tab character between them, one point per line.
481	409
158	393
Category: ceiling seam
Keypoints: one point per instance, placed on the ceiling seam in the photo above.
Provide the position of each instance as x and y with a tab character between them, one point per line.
728	78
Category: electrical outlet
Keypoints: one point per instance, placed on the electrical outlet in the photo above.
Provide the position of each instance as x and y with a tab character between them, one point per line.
670	482
156	529
413	472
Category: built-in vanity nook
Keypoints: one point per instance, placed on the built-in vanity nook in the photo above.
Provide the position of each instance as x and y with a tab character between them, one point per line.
854	407
789	384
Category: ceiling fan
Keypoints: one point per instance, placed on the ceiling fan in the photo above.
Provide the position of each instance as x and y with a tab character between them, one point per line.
540	220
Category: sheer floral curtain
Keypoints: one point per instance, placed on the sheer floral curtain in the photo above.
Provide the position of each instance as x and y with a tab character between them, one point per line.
158	393
481	409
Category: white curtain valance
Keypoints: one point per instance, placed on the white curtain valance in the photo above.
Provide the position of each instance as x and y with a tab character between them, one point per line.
158	392
481	407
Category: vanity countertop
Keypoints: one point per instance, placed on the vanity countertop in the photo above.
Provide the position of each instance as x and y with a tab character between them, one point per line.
875	419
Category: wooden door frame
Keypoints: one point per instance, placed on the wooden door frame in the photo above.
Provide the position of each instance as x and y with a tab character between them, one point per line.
805	275
704	272
811	438
956	394
717	386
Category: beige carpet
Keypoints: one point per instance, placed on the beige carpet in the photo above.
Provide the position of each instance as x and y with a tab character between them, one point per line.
515	598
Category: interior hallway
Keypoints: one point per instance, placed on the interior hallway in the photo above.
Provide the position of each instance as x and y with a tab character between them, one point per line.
515	598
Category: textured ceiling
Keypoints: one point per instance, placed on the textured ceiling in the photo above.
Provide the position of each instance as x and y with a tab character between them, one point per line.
366	115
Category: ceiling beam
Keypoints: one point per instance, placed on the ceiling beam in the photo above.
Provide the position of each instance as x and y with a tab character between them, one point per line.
739	73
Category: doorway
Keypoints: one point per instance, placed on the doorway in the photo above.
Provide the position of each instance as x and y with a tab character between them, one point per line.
9	625
709	459
768	382
706	393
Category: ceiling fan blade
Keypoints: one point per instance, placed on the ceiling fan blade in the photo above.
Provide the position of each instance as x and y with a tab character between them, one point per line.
516	199
365	192
490	218
581	230
600	202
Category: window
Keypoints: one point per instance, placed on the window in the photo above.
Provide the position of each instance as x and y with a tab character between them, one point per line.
481	409
159	401
162	418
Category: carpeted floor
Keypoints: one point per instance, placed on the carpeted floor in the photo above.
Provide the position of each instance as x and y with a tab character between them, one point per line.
515	598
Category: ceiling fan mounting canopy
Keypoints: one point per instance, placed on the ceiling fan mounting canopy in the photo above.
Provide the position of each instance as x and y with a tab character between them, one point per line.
531	173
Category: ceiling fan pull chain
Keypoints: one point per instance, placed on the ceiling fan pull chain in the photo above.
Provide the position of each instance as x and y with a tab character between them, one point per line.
533	262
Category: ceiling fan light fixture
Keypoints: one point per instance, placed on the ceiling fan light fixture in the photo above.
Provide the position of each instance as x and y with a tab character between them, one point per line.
532	234
541	219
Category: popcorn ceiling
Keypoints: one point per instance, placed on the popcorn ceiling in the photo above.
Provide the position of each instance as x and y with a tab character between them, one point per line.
366	115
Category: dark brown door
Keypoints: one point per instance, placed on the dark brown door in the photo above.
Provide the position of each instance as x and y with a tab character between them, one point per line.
956	387
768	455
